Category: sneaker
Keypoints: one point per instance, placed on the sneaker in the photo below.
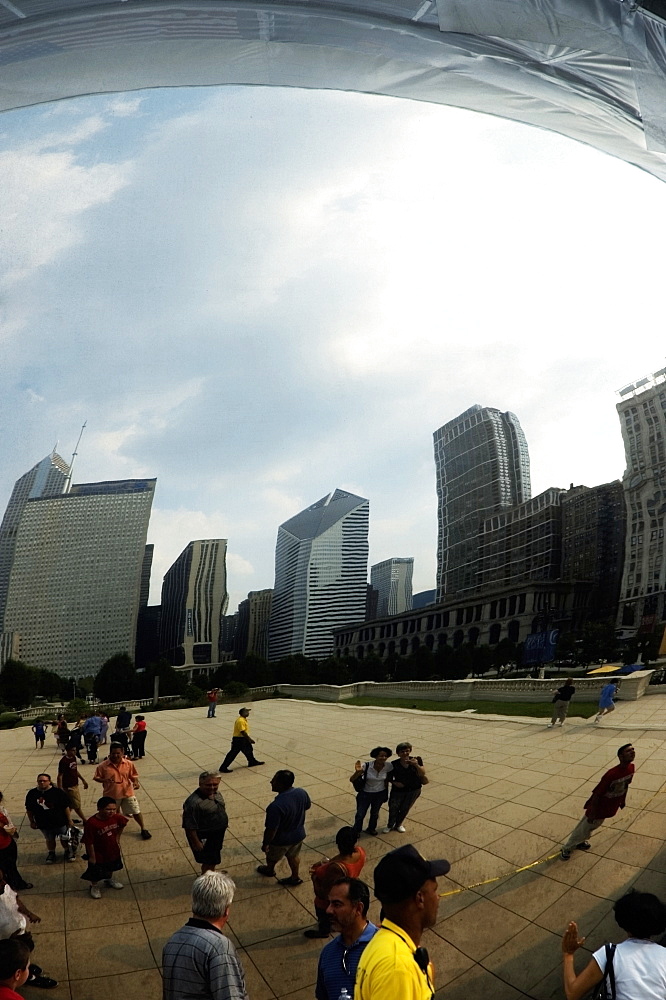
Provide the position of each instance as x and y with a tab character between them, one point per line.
585	846
42	982
114	883
401	829
565	854
550	725
387	829
373	833
50	858
145	835
70	855
257	763
95	892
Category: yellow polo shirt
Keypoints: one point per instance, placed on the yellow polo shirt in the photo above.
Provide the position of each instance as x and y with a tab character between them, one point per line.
241	727
388	971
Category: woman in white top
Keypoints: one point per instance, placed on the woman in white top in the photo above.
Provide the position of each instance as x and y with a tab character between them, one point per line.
369	780
639	964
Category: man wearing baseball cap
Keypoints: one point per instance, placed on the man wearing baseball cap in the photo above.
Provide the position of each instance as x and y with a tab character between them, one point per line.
394	964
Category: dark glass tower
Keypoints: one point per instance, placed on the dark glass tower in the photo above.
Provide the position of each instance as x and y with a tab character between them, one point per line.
483	466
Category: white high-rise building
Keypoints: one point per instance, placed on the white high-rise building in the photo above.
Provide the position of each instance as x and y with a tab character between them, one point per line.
46	479
321	572
75	583
642	412
194	599
392	579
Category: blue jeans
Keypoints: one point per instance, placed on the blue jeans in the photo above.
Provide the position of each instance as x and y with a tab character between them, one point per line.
211	710
372	801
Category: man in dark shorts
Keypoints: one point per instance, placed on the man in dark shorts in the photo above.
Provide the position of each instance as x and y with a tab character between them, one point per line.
205	821
285	827
48	810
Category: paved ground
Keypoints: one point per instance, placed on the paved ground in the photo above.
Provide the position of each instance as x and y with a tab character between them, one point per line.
502	794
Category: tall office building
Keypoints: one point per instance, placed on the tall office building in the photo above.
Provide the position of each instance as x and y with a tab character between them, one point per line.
642	412
321	572
75	583
593	529
522	543
483	466
392	579
194	599
254	614
46	479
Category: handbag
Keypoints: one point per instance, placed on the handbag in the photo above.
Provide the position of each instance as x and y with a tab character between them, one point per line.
359	781
605	990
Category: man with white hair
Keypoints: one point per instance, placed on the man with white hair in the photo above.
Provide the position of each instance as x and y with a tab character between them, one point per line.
199	961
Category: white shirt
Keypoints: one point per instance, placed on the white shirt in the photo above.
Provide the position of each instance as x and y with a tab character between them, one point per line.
639	967
376	782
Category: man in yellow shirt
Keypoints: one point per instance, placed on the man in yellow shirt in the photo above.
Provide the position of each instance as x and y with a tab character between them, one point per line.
394	964
241	742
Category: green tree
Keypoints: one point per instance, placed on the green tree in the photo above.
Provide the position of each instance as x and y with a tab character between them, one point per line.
482	659
504	653
297	669
421	664
19	684
460	665
255	671
49	683
116	679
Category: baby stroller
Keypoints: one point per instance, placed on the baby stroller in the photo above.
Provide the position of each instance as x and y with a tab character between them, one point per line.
90	740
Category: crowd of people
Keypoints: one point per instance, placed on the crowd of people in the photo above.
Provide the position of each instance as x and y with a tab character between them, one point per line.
362	960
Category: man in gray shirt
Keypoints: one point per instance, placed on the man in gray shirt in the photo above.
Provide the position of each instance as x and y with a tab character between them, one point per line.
199	961
205	821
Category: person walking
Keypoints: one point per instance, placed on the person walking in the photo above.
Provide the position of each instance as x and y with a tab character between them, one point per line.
370	784
205	821
561	701
48	810
406	778
101	835
39	730
394	964
241	742
285	827
105	728
68	779
120	780
348	902
212	702
123	720
347	863
139	737
606	703
199	960
606	798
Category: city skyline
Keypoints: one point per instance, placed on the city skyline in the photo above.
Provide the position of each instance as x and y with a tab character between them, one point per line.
262	266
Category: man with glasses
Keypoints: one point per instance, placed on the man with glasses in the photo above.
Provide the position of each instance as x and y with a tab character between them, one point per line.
348	902
394	964
48	810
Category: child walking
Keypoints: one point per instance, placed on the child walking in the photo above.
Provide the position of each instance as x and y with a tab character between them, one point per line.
101	836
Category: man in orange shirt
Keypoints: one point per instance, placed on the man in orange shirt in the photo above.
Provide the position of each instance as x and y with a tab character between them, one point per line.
119	779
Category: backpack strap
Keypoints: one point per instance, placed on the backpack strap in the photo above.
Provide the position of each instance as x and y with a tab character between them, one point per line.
610	972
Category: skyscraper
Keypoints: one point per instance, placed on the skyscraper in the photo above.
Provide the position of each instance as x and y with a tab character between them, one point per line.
392	579
46	479
321	571
75	583
482	466
254	615
194	599
642	412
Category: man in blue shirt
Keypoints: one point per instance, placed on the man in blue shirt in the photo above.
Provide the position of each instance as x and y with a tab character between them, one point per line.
285	827
348	901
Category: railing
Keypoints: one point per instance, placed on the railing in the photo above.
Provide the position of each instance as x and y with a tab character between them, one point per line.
133	703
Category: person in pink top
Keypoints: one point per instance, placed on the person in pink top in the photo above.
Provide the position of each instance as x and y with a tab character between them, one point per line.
120	779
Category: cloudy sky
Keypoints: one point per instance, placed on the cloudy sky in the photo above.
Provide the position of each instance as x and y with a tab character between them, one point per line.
258	295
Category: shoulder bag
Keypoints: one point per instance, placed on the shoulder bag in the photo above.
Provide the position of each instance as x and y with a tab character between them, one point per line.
605	990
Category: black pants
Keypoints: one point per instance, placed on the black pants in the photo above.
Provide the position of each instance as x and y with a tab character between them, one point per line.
138	742
8	858
401	801
239	744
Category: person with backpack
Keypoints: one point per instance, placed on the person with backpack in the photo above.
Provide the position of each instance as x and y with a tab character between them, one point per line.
370	781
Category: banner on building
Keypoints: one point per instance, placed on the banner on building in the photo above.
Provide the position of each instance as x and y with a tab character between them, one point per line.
540	647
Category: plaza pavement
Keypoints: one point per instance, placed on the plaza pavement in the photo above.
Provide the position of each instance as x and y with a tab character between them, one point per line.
503	793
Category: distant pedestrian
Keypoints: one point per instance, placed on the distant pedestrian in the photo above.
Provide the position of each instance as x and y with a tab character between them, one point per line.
48	810
606	798
205	821
241	742
105	728
606	703
561	701
120	781
69	777
139	737
199	961
212	702
285	827
62	734
370	784
123	720
406	778
101	835
39	730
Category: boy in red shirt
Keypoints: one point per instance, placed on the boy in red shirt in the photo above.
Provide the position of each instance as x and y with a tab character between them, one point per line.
14	967
608	796
101	835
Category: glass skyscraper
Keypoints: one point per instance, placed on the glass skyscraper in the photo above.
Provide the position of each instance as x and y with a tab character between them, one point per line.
321	573
392	579
483	467
194	599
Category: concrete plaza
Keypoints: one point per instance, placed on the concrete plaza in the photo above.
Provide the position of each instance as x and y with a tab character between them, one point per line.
502	793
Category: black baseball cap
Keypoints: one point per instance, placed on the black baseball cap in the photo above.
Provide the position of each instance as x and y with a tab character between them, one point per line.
402	872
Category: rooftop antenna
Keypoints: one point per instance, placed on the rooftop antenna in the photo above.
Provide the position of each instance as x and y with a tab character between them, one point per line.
68	482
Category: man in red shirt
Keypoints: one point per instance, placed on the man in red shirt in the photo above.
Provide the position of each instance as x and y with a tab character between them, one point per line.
212	702
101	835
608	796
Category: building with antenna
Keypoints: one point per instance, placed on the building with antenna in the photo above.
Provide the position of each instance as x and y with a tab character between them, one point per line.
75	583
321	572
